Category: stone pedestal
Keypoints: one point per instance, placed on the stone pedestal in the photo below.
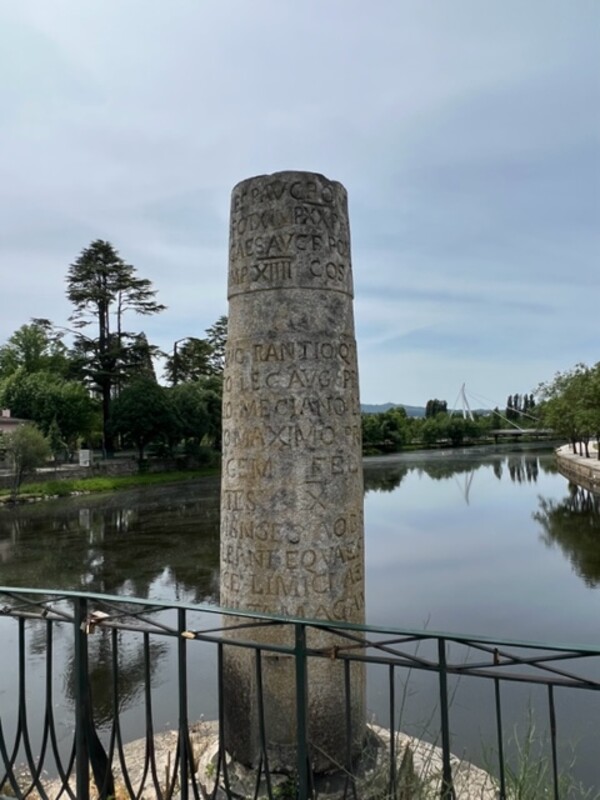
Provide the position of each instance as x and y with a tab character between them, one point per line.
292	490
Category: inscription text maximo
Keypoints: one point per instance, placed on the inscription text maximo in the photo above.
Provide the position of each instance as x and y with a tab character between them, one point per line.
292	493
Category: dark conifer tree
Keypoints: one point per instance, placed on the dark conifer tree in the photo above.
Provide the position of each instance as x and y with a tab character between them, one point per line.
102	288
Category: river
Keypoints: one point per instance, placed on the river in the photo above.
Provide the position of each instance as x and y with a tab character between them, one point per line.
487	541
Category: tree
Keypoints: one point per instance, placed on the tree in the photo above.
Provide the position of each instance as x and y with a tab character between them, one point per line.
217	339
458	429
510	411
435	407
371	431
394	428
198	407
431	430
194	358
27	449
46	399
34	348
139	359
387	431
568	404
190	361
144	413
57	444
102	288
213	397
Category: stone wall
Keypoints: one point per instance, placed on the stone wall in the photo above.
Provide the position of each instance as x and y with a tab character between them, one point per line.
110	468
584	472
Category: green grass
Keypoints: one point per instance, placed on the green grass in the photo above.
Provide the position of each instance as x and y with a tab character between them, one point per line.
63	488
529	772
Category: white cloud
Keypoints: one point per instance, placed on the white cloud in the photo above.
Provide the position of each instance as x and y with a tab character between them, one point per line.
466	134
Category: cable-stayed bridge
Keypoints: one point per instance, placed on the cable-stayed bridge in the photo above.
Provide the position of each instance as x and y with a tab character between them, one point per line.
513	430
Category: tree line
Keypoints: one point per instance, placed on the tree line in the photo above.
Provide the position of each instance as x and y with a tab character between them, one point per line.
570	405
101	390
392	430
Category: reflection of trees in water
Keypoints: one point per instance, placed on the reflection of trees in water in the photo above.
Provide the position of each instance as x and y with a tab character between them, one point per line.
131	660
384	480
131	671
573	524
381	478
122	544
549	467
520	468
439	471
523	469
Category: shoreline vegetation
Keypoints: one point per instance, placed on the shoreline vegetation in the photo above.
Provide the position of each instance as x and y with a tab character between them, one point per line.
61	484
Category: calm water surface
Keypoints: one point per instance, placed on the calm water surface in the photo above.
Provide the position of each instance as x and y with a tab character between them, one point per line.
495	543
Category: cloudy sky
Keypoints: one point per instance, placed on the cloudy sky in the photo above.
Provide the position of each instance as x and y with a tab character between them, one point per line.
466	133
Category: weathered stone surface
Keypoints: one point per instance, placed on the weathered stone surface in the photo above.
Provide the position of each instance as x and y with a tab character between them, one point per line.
419	771
292	493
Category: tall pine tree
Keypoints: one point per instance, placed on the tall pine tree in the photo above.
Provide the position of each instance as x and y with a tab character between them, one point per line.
102	289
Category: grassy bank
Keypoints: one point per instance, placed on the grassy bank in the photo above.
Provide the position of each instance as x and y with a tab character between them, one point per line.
71	486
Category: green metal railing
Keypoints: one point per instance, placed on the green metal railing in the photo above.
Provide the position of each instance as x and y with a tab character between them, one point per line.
92	760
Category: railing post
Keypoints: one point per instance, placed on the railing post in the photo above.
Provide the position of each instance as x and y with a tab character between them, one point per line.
82	766
183	707
392	724
500	736
301	709
447	784
552	711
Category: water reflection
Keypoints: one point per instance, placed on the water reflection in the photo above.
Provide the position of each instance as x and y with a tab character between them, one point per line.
384	480
131	672
161	542
573	525
525	469
164	542
385	475
424	546
130	543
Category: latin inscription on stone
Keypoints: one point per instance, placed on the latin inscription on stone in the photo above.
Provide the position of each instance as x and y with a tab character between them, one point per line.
292	492
291	233
283	397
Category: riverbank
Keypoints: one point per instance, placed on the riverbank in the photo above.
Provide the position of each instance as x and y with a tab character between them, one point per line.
585	472
68	487
419	767
120	474
476	516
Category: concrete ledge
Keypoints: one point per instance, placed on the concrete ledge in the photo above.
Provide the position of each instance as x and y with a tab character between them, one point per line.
585	472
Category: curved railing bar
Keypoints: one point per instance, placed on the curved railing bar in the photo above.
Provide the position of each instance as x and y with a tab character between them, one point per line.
9	774
149	750
22	716
116	714
499	660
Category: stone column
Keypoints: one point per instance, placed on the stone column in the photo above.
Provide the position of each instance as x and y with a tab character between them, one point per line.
292	489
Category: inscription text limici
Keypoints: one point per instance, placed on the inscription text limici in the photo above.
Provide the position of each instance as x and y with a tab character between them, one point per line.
291	505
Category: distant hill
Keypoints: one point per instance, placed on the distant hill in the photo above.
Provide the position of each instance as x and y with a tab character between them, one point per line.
412	411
